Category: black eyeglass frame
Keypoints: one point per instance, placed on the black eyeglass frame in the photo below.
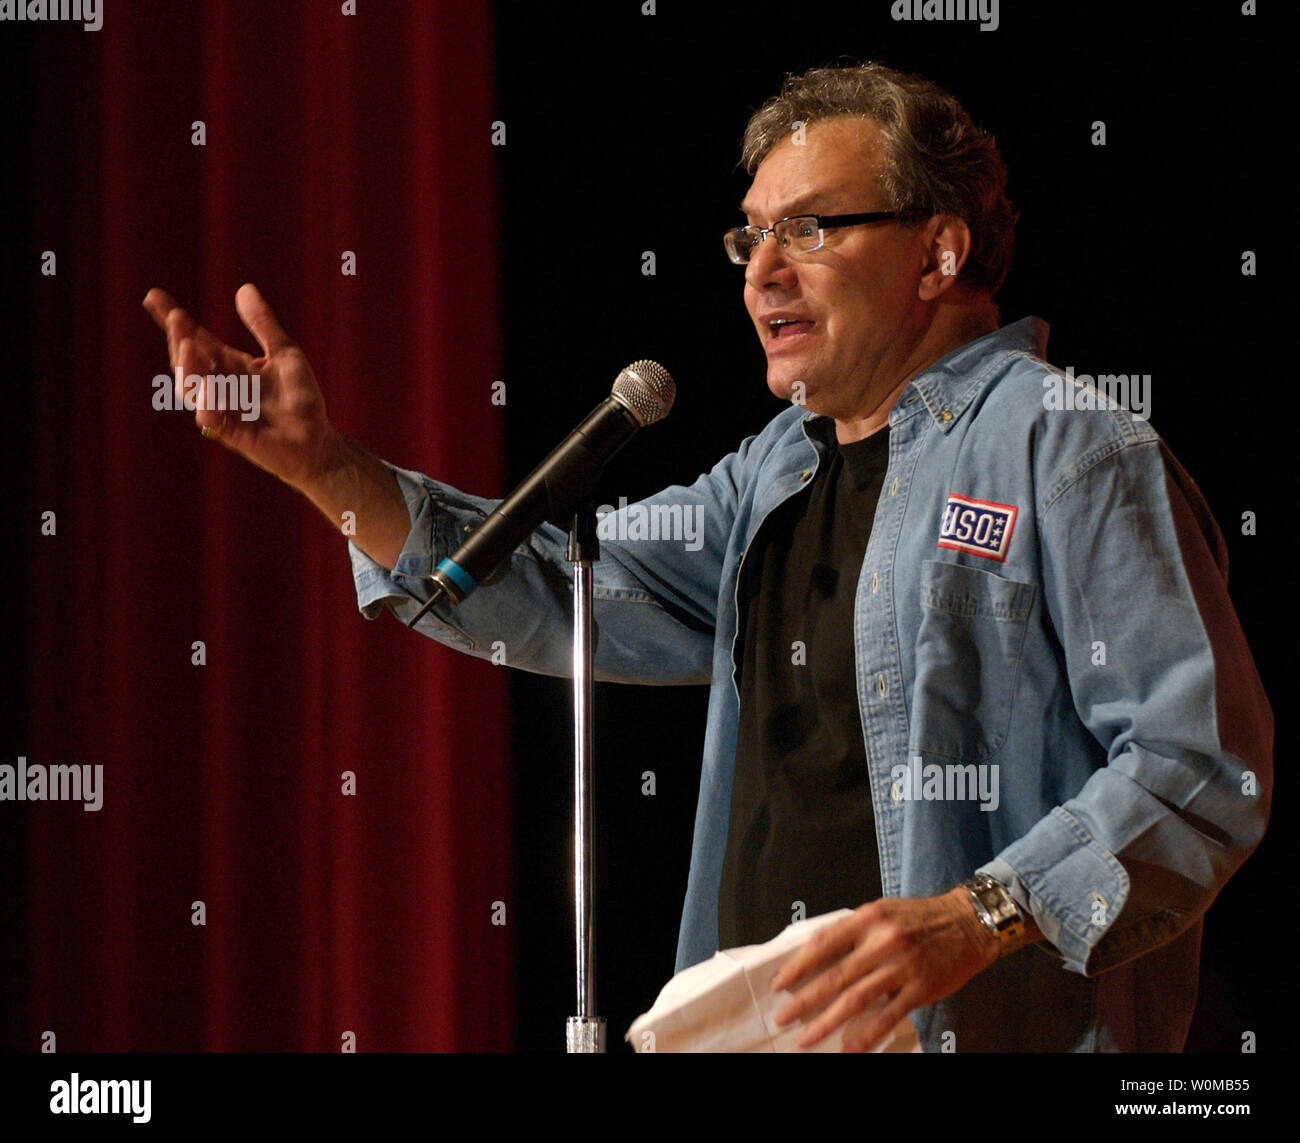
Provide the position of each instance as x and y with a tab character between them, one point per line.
823	221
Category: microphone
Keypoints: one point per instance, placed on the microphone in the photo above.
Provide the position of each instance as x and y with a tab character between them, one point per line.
642	394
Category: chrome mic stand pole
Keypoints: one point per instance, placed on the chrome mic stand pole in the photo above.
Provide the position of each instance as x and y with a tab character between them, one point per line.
585	1032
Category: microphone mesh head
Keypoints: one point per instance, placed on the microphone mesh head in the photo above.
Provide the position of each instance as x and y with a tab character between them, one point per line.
646	390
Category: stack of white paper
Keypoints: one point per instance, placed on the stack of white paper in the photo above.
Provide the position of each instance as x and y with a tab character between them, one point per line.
726	1004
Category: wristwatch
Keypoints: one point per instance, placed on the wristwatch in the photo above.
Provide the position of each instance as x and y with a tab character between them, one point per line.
996	909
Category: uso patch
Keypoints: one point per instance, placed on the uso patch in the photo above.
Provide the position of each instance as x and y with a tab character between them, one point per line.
980	527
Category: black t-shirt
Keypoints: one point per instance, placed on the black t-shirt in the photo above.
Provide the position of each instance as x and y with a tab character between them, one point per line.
802	827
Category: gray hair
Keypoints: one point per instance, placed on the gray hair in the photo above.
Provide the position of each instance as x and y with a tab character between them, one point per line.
936	159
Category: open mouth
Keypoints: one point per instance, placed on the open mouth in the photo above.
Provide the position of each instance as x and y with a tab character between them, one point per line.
784	328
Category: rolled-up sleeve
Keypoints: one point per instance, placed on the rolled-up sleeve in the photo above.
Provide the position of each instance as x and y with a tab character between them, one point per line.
440	518
655	587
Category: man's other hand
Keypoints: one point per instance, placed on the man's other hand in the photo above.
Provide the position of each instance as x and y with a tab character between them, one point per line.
904	952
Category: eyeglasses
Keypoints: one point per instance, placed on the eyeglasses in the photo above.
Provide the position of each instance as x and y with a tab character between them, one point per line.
802	233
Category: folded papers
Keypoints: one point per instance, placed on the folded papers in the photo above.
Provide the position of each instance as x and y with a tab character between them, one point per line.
726	1004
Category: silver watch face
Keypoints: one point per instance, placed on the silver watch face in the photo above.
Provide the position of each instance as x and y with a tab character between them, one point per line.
1002	910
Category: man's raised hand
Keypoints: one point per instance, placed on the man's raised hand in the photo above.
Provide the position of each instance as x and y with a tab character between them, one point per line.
291	437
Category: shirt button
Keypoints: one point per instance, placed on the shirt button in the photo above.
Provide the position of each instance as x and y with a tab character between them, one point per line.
880	685
893	488
945	414
875	583
805	474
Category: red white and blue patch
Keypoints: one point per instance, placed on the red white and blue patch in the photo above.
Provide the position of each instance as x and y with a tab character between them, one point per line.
980	527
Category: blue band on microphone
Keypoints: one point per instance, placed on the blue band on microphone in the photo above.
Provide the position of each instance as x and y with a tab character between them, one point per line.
458	575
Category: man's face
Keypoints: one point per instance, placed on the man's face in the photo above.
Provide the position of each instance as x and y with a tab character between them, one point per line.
851	300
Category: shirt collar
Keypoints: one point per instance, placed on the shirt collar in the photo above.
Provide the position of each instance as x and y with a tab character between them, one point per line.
947	387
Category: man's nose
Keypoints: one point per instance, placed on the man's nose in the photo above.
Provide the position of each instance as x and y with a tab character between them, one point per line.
769	265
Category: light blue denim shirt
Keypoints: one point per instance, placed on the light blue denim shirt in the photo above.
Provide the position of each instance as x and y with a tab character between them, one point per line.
1053	684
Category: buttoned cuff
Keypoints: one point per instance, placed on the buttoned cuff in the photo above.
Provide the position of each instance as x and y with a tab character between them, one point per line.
439	519
1073	887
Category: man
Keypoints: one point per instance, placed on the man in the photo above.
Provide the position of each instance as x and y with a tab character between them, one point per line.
973	660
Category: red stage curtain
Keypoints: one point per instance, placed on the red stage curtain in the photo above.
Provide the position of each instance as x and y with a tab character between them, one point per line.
325	914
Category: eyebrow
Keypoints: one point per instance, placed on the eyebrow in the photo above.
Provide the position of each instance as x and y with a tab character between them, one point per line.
805	204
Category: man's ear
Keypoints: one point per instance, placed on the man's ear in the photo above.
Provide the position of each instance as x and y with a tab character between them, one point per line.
946	253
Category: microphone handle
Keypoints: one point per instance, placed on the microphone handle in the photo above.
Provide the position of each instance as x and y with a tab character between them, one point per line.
565	480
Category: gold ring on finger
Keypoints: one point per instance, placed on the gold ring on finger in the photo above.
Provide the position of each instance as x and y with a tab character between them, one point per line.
213	432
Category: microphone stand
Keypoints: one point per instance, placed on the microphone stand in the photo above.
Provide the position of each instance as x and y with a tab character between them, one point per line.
585	1032
642	394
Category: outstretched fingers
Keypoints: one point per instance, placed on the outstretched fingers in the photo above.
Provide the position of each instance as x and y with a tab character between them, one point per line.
210	353
260	320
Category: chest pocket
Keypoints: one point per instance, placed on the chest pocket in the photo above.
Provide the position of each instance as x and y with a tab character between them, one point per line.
968	654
